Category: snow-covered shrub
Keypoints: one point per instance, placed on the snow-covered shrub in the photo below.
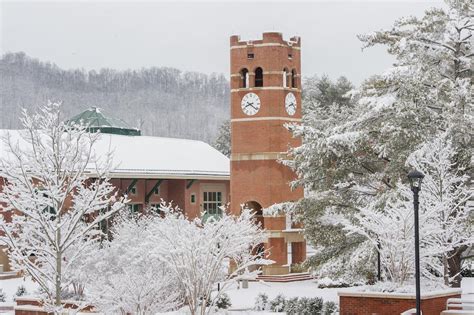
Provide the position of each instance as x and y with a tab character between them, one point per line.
21	290
292	306
310	306
3	296
298	268
329	308
329	283
261	302
223	301
278	303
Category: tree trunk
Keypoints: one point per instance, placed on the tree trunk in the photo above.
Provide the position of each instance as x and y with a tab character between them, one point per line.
454	263
58	269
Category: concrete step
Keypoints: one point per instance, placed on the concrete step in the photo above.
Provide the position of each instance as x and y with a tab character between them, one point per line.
285	278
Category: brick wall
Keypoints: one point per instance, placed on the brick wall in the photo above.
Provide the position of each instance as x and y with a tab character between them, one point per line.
369	305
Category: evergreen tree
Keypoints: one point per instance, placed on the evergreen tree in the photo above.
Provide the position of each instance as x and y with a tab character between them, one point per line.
223	140
353	157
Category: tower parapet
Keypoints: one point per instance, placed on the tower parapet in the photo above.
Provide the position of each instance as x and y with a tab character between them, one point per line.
267	38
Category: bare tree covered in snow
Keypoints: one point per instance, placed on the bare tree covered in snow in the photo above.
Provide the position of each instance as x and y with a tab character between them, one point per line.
203	254
163	261
126	275
56	204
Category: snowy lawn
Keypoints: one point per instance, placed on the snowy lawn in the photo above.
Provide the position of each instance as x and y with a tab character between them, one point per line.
245	298
10	287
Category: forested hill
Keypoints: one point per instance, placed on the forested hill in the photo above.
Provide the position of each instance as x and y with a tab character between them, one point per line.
160	101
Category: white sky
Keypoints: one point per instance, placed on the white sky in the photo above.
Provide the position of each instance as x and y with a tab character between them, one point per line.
194	35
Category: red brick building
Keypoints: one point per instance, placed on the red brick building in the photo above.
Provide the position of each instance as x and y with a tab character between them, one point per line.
191	174
266	94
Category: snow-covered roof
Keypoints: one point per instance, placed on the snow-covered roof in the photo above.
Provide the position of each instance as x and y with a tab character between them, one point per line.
154	157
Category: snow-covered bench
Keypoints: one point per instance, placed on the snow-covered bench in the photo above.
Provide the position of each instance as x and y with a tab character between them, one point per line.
411	311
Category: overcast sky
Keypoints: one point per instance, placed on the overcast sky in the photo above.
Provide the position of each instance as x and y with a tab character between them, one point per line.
194	35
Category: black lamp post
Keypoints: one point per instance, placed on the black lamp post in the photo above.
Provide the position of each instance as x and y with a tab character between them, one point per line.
415	183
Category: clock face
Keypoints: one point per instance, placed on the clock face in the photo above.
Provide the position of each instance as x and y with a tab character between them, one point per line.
290	104
250	104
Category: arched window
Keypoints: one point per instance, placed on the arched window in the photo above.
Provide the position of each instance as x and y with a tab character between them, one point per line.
244	78
258	77
285	77
293	78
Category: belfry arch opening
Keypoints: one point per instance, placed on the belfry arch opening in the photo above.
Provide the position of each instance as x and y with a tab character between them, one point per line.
285	77
258	77
244	78
257	210
293	78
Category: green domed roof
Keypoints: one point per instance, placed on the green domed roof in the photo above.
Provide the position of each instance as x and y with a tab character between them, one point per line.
95	120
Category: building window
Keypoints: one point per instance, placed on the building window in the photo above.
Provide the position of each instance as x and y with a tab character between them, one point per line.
244	78
258	77
293	78
290	56
133	190
155	207
134	208
250	56
193	198
212	200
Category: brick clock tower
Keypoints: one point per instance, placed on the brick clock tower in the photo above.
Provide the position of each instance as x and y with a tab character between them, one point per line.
266	94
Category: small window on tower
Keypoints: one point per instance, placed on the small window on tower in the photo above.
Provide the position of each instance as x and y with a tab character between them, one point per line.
250	56
290	56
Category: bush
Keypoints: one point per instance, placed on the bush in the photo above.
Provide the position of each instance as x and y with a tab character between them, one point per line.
315	305
261	302
223	301
3	296
278	304
298	268
329	283
21	291
329	308
292	306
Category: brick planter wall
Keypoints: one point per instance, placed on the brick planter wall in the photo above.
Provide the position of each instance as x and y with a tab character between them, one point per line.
33	306
376	303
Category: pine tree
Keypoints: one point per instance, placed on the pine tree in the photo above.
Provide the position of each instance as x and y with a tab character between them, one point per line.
354	157
222	142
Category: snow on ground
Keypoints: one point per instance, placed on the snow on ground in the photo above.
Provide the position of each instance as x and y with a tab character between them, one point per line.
245	298
10	287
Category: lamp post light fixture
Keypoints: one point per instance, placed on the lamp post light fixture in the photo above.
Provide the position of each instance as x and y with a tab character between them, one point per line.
416	178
